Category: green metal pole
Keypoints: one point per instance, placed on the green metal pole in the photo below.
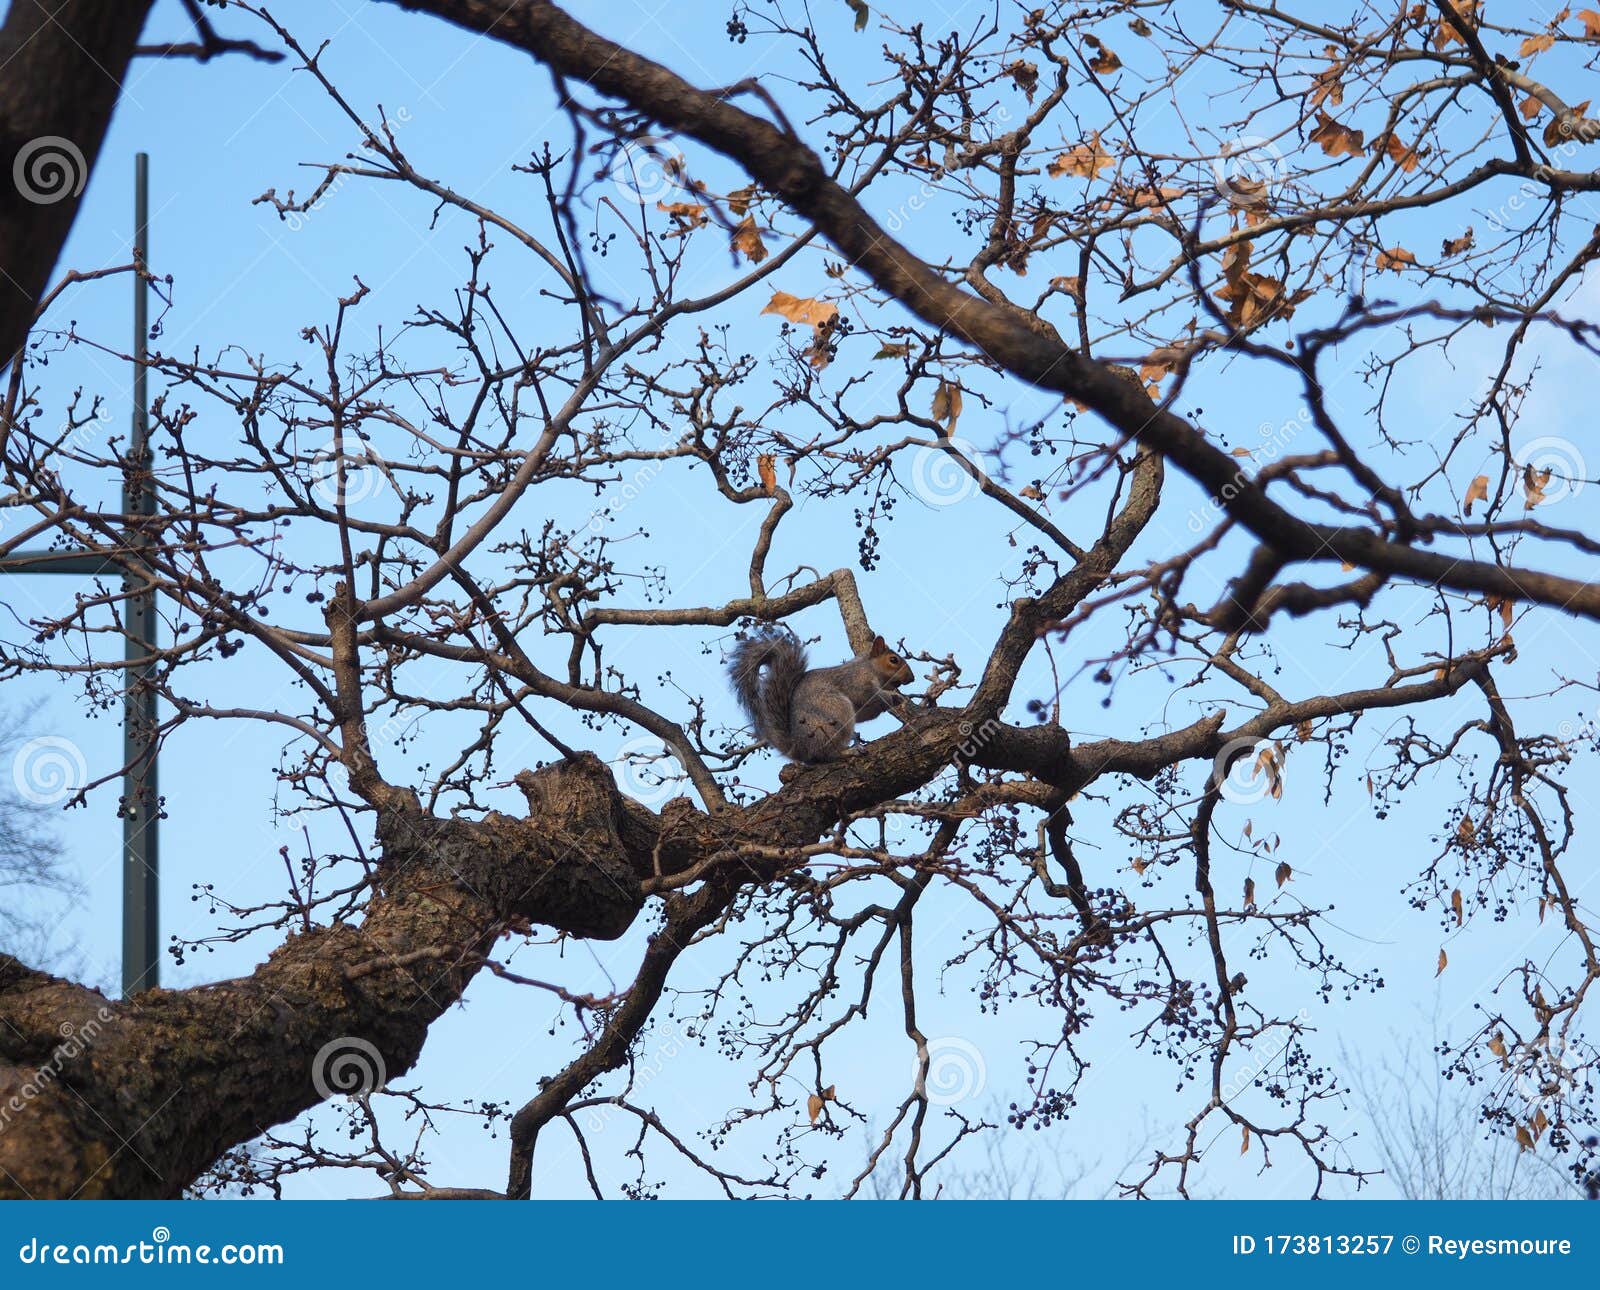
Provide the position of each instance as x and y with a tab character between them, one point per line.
141	803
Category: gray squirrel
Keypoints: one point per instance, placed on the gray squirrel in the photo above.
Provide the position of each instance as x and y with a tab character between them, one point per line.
809	715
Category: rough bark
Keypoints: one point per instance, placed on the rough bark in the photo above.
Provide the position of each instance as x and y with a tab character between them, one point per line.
64	64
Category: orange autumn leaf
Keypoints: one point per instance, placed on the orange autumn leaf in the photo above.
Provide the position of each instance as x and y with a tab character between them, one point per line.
1104	62
1477	491
1326	85
767	465
1458	245
1534	482
947	405
1337	140
816	313
1444	962
1403	157
1564	125
1086	160
820	315
747	240
1396	258
1591	23
1535	45
1530	107
1446	33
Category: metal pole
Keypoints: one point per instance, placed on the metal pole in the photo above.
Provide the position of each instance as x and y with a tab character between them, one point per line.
141	803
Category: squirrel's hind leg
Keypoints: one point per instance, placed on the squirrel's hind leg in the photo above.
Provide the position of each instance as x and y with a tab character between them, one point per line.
822	732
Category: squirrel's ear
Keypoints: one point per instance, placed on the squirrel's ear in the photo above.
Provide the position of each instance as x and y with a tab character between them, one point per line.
878	647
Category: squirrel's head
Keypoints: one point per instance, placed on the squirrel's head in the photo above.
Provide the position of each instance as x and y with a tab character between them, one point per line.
893	671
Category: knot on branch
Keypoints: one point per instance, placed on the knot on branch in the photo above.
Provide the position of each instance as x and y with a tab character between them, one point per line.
566	865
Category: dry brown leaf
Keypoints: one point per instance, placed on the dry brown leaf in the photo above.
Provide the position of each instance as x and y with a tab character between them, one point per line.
1025	76
1444	962
1455	906
741	199
1402	156
816	313
1140	864
767	466
1327	85
1467	832
1104	62
1446	33
1086	160
1283	872
1337	140
1249	892
1533	46
1458	245
947	405
894	349
1530	107
1497	1044
1396	258
1591	23
1534	482
1564	125
814	1106
1244	1146
1477	491
1524	1139
688	215
747	240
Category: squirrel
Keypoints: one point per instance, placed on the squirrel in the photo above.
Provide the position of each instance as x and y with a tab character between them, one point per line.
810	715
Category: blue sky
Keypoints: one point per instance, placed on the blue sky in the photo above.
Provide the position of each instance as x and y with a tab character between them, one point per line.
466	111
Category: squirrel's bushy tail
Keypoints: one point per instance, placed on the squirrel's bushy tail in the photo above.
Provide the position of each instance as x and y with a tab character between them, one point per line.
767	700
